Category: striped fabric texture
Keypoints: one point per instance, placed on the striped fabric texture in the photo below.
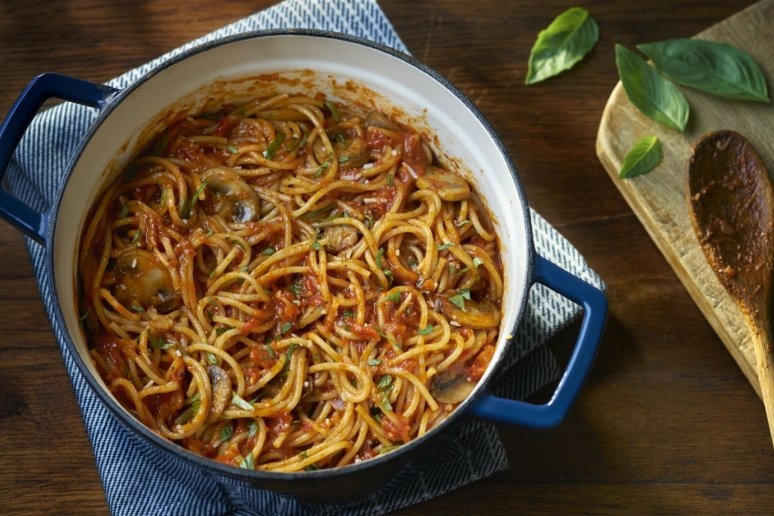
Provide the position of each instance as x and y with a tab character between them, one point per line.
137	479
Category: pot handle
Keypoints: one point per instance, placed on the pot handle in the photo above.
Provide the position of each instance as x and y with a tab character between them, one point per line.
40	88
554	412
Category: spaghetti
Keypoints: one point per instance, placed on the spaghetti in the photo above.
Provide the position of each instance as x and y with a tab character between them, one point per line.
290	284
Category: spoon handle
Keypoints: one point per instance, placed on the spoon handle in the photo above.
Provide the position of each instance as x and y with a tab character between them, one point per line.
764	360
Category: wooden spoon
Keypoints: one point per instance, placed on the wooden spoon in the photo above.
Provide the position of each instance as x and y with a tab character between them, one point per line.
730	196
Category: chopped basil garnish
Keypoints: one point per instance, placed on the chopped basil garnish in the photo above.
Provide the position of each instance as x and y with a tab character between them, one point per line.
240	402
374	362
226	432
426	330
384	382
332	108
477	261
268	251
212	359
124	209
286	327
158	342
232	149
390	180
447	245
379	255
316	245
459	299
295	289
393	296
247	462
198	193
274	146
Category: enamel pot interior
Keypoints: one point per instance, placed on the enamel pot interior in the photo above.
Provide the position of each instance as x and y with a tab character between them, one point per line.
270	62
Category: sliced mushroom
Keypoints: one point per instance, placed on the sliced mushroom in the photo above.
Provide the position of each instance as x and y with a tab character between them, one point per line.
478	315
221	391
448	387
143	281
448	185
349	145
377	119
236	199
339	238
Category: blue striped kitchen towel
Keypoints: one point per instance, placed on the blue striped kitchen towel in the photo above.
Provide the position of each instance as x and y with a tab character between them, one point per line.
136	479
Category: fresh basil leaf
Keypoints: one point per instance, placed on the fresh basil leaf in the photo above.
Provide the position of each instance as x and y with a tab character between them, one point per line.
642	158
656	97
716	68
562	44
286	327
226	432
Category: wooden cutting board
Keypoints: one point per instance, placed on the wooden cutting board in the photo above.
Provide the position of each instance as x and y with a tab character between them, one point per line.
658	198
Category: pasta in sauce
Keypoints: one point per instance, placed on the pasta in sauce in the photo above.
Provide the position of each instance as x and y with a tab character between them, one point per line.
290	284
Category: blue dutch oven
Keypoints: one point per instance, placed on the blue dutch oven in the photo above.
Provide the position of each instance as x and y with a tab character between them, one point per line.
324	61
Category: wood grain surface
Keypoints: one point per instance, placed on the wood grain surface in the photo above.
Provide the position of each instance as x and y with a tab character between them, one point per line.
659	199
666	424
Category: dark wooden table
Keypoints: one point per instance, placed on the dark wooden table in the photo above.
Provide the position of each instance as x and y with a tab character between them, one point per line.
667	422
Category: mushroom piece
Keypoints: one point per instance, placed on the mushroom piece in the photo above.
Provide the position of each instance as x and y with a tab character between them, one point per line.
448	387
236	200
448	185
339	238
377	119
221	391
349	145
480	315
143	281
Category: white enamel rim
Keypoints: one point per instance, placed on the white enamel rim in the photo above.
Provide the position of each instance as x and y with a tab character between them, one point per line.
463	132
